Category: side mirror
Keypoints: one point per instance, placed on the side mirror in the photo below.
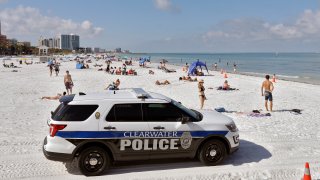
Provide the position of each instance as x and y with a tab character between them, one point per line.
185	120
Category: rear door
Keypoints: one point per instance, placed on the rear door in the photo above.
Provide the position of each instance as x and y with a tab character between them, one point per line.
123	129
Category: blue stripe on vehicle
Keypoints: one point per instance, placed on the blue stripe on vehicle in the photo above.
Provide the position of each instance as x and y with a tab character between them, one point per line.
121	134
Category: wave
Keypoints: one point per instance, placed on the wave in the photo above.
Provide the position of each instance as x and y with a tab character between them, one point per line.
277	75
286	76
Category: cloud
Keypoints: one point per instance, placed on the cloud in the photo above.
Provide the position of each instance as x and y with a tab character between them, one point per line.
166	5
306	26
30	21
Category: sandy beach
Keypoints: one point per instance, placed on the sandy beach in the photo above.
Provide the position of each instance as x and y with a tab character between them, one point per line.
274	147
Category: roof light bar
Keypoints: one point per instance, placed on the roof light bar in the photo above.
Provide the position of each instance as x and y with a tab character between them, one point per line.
140	93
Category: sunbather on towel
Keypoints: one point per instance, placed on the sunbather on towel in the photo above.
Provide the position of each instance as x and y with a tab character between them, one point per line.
166	82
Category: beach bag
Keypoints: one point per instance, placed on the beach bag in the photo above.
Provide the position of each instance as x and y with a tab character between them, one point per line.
220	109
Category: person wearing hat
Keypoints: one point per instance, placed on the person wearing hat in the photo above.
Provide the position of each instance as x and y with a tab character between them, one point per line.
201	93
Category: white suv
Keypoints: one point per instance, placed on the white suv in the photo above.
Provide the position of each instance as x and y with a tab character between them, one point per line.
95	129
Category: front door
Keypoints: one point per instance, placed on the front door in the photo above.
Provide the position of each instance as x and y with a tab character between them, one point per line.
174	138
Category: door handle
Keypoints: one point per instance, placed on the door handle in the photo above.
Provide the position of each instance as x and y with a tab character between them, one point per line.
109	127
158	127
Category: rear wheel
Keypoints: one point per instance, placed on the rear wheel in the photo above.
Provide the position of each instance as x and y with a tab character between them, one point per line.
93	161
212	152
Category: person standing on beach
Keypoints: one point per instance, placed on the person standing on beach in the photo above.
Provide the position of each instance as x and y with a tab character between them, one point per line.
51	69
267	88
215	66
201	93
56	68
68	82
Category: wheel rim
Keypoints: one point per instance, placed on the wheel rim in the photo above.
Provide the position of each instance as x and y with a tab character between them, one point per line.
213	153
93	161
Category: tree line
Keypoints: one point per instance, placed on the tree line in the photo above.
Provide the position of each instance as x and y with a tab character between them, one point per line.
27	50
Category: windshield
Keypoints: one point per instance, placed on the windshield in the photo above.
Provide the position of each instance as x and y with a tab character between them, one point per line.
187	110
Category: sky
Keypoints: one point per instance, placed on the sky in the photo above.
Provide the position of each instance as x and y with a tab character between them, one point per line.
190	26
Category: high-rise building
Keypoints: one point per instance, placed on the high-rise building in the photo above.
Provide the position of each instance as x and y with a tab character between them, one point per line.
96	50
118	50
63	41
70	42
3	38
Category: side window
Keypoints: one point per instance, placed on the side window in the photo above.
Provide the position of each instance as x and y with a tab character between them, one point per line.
74	112
161	112
125	113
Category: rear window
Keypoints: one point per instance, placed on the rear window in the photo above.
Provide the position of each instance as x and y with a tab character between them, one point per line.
73	112
125	113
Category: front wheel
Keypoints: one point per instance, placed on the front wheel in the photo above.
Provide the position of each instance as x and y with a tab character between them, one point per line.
212	152
93	161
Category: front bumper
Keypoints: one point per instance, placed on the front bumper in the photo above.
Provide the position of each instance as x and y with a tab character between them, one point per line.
232	150
62	157
234	141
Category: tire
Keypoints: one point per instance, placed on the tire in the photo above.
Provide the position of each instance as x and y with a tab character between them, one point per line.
93	161
212	152
72	167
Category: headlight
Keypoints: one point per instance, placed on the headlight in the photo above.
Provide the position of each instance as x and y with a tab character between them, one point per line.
232	127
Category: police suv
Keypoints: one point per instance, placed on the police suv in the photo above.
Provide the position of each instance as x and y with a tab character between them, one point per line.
94	130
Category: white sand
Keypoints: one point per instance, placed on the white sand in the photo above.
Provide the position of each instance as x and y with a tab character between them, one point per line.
273	147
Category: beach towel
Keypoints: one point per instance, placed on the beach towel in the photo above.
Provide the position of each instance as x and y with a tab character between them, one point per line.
292	111
230	89
259	115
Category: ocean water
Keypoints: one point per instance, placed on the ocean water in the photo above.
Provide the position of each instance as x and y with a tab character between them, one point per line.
301	67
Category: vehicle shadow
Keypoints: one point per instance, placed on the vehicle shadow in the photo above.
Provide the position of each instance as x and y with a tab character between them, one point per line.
248	152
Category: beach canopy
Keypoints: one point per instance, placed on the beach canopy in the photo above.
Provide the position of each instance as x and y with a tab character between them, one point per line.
50	62
142	60
194	65
79	66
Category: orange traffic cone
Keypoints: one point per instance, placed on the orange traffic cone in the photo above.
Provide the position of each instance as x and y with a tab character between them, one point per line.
225	75
307	175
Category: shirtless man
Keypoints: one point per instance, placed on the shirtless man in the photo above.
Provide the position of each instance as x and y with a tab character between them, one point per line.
268	88
68	82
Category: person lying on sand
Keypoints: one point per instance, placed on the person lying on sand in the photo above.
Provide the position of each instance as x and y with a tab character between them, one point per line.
168	70
188	78
226	87
166	82
131	72
58	96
